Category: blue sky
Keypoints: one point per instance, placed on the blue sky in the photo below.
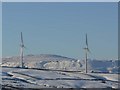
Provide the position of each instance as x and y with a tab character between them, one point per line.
59	28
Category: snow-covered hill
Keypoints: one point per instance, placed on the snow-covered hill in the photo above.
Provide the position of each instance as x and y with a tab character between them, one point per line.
56	62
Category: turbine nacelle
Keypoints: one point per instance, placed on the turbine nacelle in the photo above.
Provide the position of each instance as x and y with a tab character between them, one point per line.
22	46
87	50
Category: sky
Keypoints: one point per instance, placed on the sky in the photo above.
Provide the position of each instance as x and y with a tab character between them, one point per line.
60	28
0	30
60	0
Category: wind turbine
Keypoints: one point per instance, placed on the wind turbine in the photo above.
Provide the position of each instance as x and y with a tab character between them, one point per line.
21	51
86	54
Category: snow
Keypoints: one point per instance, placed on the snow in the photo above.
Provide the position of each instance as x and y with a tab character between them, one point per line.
61	73
113	77
51	79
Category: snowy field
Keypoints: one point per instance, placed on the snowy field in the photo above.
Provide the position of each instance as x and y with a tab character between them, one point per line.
53	71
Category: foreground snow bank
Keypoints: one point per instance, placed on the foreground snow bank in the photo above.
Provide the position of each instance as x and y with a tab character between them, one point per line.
30	78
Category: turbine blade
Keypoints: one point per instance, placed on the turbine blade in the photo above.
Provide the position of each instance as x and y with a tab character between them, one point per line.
21	39
86	41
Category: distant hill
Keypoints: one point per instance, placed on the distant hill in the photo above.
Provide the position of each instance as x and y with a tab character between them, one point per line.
57	62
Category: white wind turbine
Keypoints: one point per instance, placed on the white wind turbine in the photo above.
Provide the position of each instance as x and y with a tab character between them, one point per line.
21	51
86	54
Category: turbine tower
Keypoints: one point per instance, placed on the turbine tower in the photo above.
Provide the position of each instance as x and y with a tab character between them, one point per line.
86	54
21	51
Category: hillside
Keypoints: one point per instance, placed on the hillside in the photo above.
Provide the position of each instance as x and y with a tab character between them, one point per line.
57	62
